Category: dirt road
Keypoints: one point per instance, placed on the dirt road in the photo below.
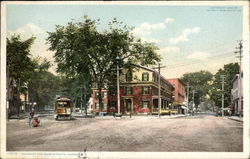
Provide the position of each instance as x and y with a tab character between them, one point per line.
203	133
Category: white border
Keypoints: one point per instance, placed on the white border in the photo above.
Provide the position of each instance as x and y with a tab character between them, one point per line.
144	155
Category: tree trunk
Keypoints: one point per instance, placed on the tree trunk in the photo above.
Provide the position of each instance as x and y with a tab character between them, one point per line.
100	99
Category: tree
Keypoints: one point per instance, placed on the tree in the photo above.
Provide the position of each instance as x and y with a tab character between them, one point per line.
199	82
80	91
43	86
229	70
81	49
19	69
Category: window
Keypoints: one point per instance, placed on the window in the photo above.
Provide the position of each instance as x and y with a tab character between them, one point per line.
145	90
104	106
96	105
129	76
145	104
128	90
145	76
112	103
97	94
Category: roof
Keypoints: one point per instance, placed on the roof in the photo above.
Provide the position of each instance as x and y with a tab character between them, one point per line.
237	76
152	70
178	80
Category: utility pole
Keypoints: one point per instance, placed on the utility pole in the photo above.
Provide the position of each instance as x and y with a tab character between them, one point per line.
222	100
239	52
188	86
85	102
81	99
159	88
193	103
118	85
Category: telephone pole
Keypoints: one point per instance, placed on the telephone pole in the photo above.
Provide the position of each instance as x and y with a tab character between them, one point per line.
159	88
188	86
81	98
193	103
239	55
118	85
222	95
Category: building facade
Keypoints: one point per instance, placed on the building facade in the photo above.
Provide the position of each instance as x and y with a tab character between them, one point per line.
236	95
139	91
95	106
179	94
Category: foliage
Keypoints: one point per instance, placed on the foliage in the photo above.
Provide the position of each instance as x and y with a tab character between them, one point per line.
79	90
229	70
43	86
80	49
19	64
199	82
19	68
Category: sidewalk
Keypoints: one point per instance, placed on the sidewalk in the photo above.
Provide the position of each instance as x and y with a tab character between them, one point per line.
236	118
21	116
78	115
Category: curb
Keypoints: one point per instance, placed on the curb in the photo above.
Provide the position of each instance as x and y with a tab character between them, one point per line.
236	119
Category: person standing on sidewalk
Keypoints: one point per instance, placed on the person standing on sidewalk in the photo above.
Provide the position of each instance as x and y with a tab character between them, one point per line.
31	116
114	110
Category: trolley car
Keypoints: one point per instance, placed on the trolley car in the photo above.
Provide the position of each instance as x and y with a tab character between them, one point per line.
63	108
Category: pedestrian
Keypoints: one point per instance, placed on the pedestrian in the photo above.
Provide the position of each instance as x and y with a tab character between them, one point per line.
35	122
114	110
31	117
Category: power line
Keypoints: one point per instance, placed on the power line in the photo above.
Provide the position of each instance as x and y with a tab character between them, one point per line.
191	63
178	64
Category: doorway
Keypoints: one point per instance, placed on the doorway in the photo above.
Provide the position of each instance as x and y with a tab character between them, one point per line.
128	106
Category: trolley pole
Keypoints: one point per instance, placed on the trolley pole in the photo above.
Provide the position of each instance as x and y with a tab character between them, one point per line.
222	95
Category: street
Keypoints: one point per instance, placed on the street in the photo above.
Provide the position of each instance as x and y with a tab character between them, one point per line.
141	133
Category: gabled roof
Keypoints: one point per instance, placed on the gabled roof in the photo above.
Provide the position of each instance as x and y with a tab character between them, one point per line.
152	70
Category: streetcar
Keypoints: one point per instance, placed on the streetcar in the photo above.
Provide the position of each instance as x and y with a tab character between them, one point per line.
63	108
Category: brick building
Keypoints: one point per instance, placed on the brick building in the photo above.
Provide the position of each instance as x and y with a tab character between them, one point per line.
179	93
95	101
139	91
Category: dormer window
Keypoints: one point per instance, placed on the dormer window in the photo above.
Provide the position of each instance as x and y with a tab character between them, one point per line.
145	76
129	76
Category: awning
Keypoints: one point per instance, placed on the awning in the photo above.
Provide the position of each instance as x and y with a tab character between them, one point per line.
184	107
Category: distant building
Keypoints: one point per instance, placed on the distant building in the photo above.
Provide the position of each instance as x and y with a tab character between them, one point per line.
139	91
179	94
95	107
236	95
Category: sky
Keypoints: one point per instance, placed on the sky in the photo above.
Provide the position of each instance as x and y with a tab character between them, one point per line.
190	38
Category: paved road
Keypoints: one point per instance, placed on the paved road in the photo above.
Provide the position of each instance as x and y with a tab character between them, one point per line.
202	133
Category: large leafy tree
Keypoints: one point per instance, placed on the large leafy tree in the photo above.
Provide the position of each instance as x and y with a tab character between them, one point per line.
229	70
82	49
19	69
43	86
200	83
